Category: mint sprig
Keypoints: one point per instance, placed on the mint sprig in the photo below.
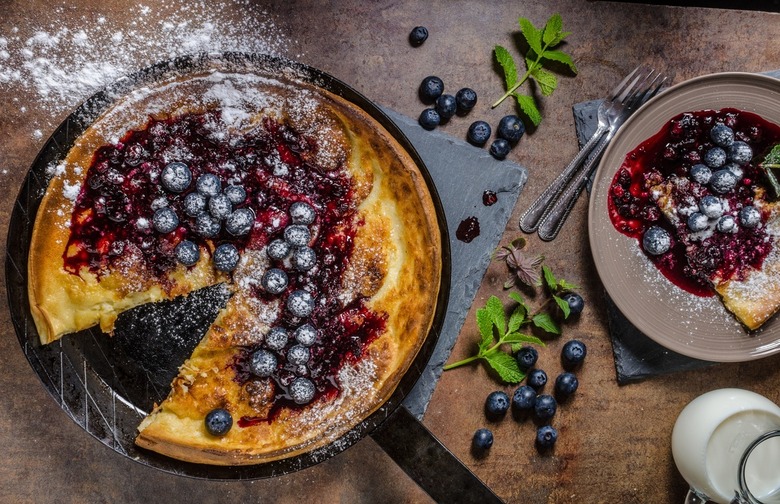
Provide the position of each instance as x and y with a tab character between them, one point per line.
541	52
770	164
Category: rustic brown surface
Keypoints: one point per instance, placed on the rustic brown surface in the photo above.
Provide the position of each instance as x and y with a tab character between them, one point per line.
614	441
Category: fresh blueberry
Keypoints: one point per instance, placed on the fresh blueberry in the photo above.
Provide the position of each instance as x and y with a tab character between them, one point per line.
220	207
749	216
483	439
656	240
226	257
208	184
510	128
499	148
274	281
263	363
545	407
207	226
735	169
302	390
300	303
697	222
722	135
740	152
431	88
727	224
573	353
306	335
537	378
524	399
546	436
278	250
465	100
235	193
240	222
304	258
218	422
701	173
566	384
297	235
497	403
187	253
298	354
165	220
711	206
429	119
715	157
276	339
526	357
176	177
479	133
446	106
723	181
302	213
575	302
418	35
195	204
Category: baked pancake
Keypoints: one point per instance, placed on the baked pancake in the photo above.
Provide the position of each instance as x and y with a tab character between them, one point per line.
304	207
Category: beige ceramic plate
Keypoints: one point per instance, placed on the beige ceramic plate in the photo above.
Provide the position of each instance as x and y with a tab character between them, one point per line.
688	324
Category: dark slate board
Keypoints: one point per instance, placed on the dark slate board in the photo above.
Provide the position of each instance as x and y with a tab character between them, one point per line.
461	173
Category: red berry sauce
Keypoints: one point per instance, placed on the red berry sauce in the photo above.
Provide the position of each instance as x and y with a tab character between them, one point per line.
468	229
680	144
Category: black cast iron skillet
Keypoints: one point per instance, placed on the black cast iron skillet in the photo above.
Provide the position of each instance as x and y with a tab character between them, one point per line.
106	385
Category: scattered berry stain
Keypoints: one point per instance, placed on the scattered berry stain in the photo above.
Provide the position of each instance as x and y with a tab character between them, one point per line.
468	229
489	198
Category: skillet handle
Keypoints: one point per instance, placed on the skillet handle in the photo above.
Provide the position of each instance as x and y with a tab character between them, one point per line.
428	462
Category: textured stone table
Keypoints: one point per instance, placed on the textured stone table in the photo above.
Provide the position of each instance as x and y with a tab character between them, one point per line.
614	440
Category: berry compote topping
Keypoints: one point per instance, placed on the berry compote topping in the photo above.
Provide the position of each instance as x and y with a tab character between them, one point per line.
268	171
705	157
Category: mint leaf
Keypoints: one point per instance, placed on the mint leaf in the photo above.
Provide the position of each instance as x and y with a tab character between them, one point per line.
552	30
566	286
506	367
560	57
528	106
563	305
547	81
769	165
485	324
507	65
545	322
531	34
516	337
517	298
516	319
496	310
549	278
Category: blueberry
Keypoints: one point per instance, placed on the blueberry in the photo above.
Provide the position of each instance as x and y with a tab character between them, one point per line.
573	353
195	204
727	224
306	335
304	258
566	384
276	339
226	257
479	133
446	106
537	378
263	363
465	99
429	119
656	240
176	177
749	217
235	193
740	152
302	213
545	407
722	181
208	184
735	169
240	222
218	422
497	403
418	35
274	281
701	173
187	253
278	250
483	439
297	235
302	390
524	399
220	206
526	357
715	157
300	303
165	220
207	226
298	355
575	302
431	88
711	206
510	128
722	135
697	222
546	436
499	148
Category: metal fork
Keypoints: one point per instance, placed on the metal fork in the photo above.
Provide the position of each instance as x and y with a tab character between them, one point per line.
608	110
642	90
